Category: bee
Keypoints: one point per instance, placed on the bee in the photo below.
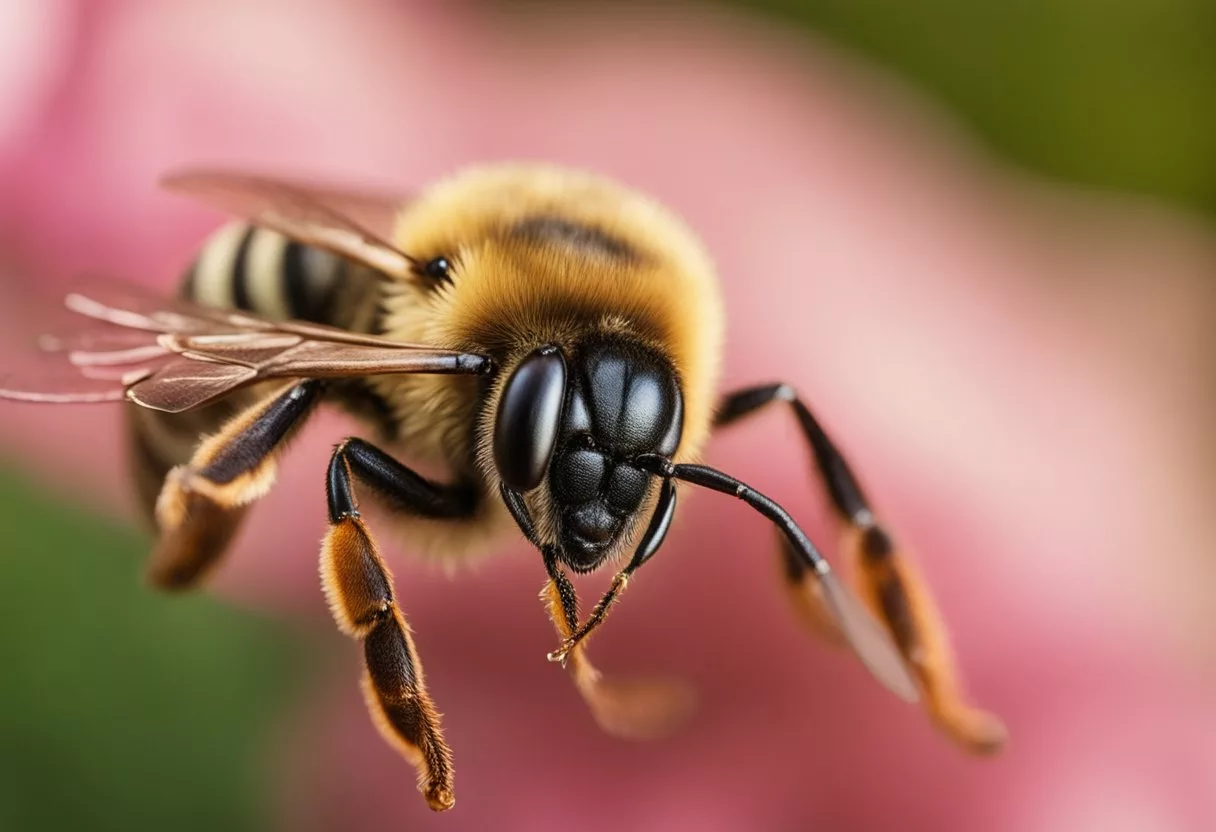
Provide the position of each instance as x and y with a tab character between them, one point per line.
548	341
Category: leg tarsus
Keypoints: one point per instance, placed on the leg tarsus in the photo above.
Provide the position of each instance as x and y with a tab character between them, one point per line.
185	551
894	590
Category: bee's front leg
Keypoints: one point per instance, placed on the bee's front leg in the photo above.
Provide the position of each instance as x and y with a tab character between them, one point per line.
202	503
360	591
636	709
631	708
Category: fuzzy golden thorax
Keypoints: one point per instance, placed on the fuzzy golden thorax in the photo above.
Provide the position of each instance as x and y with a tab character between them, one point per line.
544	256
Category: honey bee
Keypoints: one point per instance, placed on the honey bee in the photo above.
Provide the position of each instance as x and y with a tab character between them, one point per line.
548	340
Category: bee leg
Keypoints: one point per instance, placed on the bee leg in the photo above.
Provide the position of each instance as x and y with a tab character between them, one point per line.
888	581
656	532
636	709
202	503
359	589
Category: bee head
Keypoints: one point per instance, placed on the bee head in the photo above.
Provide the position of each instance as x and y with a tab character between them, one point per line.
580	421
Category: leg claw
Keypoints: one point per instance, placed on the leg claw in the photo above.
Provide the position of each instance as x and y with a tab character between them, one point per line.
559	655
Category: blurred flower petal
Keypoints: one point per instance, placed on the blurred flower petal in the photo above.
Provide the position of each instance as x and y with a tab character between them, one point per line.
35	49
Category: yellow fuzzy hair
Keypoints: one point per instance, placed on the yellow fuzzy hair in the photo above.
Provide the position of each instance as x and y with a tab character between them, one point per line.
510	295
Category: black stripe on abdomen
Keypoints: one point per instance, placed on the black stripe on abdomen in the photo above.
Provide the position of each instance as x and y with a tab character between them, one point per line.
295	280
261	271
241	274
309	278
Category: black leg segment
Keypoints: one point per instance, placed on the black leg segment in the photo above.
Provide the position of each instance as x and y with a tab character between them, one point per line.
847	497
256	442
397	486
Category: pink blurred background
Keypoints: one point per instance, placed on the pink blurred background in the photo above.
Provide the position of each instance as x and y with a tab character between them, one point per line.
1022	374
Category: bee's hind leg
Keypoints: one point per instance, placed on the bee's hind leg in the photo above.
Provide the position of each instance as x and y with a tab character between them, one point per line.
360	591
889	582
202	503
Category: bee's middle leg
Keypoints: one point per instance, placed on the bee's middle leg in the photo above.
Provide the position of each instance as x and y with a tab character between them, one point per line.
360	591
202	503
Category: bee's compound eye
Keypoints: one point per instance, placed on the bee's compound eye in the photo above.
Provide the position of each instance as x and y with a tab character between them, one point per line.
438	269
529	415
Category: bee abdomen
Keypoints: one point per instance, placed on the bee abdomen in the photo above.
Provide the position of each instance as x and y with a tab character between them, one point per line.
261	271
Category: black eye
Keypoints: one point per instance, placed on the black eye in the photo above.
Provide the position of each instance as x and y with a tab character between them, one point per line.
529	415
438	269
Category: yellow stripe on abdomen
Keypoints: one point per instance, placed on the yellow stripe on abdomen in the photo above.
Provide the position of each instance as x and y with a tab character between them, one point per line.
263	274
261	271
211	281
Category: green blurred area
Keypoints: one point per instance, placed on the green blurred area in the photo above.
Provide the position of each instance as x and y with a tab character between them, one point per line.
121	708
1111	94
1116	94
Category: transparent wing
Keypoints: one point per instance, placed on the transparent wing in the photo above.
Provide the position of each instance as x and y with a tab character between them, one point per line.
172	355
356	225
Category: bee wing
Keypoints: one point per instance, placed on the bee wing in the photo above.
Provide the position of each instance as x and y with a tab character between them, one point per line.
140	308
352	224
172	355
60	385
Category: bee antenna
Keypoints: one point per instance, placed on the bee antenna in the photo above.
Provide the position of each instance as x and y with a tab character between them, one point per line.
871	642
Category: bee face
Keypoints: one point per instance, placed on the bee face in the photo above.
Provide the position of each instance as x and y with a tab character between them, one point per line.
575	420
621	402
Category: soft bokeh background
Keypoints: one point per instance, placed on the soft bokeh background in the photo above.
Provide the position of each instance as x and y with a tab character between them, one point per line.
985	231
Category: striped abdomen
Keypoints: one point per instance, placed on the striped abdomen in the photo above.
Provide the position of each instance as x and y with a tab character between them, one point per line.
265	273
245	267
